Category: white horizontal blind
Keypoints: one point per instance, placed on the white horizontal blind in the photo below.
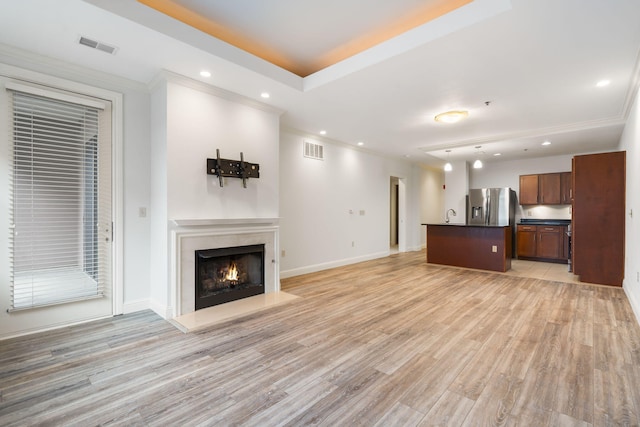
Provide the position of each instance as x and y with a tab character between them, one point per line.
56	248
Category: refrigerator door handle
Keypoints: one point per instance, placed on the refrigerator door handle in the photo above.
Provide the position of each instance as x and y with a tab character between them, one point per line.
487	208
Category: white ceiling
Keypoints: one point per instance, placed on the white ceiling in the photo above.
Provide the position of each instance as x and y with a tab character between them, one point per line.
536	62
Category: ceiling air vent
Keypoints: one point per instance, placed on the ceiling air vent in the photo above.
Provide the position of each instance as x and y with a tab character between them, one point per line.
313	151
97	45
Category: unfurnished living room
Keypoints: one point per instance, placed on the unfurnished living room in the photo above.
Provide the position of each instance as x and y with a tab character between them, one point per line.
257	213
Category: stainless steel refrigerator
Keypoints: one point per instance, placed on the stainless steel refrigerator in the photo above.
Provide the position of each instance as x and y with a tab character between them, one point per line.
491	206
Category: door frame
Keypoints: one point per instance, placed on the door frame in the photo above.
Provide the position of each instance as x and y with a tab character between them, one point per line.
117	173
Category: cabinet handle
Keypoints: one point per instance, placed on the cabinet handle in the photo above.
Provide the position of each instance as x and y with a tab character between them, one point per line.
549	229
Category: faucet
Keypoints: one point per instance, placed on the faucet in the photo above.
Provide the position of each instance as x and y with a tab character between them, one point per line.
447	215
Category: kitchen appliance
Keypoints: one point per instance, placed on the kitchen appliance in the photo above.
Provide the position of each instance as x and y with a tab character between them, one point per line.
493	207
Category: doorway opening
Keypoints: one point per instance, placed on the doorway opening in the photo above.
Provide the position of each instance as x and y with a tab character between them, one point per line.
396	215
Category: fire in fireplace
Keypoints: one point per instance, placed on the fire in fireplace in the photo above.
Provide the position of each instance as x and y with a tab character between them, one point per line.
228	274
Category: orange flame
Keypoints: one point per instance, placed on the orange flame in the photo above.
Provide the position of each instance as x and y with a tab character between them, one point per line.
232	274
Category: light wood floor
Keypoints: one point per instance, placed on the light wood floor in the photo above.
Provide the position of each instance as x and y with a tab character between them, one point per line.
392	342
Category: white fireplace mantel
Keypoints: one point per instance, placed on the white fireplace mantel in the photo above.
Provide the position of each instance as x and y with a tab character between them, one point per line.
189	235
225	221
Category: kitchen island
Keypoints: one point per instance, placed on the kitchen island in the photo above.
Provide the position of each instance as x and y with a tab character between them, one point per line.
484	247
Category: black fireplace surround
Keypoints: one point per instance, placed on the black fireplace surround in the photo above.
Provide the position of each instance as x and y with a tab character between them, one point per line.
228	274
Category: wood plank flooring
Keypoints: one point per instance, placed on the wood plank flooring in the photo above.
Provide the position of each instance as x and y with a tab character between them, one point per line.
391	342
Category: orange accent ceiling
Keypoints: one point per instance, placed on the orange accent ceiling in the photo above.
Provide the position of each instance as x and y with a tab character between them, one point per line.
427	12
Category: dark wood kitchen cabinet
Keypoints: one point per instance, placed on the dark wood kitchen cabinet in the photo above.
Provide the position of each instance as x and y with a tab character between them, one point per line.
550	243
598	222
545	189
542	242
528	190
526	241
549	189
566	188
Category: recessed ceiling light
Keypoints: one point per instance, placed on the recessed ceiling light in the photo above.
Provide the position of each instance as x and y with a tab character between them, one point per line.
546	143
451	116
323	132
603	83
360	143
205	73
497	154
265	95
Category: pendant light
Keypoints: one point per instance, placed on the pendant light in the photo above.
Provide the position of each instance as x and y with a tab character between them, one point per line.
478	163
447	166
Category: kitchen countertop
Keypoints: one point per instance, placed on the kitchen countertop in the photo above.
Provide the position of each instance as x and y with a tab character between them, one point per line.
466	225
544	222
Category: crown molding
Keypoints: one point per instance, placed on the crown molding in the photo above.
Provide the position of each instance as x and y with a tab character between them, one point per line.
43	64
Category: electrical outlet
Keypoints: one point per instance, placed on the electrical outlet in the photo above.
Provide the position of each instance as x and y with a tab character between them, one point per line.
142	212
361	212
529	213
637	276
494	248
353	244
284	253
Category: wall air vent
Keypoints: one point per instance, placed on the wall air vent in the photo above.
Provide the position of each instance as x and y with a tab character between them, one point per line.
98	45
313	150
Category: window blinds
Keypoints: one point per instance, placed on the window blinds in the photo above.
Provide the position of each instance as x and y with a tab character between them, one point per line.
57	251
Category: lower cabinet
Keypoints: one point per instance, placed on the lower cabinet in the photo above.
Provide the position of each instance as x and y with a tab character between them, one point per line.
526	241
542	242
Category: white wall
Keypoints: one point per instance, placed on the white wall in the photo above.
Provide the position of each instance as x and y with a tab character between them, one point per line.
431	198
455	194
629	143
159	252
198	122
189	121
321	203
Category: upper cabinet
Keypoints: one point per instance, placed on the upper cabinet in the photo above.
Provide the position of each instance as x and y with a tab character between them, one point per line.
528	190
566	193
549	189
545	189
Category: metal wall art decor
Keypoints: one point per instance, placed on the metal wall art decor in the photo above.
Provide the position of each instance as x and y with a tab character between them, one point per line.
232	169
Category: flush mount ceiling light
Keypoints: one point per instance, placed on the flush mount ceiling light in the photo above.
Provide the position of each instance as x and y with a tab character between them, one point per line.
360	144
323	132
478	163
265	95
453	116
447	166
546	143
603	83
205	73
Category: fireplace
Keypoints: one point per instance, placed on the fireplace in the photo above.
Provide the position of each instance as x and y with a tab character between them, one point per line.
228	274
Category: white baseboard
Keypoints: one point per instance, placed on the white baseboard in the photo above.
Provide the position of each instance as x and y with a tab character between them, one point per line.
133	306
164	311
633	301
332	264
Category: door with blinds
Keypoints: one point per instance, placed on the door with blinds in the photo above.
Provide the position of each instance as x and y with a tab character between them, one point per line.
60	220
